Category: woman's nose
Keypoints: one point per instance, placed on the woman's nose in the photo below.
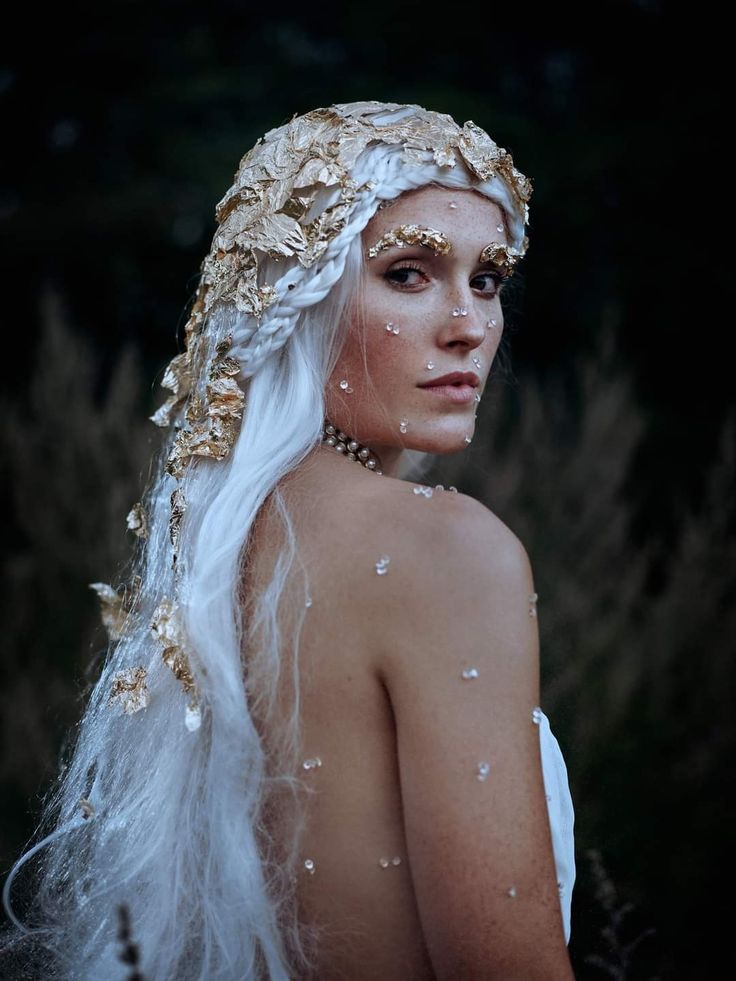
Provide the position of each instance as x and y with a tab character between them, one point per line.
462	324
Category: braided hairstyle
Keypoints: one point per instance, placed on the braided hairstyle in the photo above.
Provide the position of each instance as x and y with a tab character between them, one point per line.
162	804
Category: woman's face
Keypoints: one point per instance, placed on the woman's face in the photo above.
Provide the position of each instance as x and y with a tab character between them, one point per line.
378	391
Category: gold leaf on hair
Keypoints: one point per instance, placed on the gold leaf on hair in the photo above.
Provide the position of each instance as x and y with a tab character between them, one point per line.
225	367
196	408
178	507
162	415
114	606
166	627
225	398
137	521
130	690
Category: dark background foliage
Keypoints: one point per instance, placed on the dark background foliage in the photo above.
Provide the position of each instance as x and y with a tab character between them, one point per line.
608	446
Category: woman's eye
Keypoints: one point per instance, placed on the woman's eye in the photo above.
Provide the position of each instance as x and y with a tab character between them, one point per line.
490	283
405	275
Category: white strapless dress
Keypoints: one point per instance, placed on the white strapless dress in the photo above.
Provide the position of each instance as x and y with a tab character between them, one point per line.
561	817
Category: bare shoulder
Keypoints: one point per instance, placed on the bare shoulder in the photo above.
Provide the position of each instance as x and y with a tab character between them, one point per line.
458	654
448	560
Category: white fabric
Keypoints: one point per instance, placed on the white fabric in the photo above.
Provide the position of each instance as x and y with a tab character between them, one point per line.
561	817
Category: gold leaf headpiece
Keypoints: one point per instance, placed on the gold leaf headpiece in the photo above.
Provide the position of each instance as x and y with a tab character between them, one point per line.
266	212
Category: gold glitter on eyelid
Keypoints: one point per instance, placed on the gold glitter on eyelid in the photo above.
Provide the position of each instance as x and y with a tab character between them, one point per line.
406	235
503	256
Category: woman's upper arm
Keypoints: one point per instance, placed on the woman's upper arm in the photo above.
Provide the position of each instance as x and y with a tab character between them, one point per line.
462	671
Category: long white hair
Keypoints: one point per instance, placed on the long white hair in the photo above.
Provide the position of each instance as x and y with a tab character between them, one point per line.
174	822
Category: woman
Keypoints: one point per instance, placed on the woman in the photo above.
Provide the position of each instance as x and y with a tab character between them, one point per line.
315	749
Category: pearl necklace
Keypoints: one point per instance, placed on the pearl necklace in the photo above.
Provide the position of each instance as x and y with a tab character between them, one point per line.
350	448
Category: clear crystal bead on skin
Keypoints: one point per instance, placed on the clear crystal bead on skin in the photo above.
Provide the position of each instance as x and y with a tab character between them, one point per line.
382	565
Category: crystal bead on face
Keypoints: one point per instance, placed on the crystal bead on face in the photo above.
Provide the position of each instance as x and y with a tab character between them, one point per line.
470	673
382	565
483	770
536	715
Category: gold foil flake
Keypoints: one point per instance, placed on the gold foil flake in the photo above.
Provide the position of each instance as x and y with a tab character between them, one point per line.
212	435
214	438
178	379
178	507
225	398
167	629
406	235
114	606
223	346
88	810
503	256
137	521
196	408
129	690
166	624
224	368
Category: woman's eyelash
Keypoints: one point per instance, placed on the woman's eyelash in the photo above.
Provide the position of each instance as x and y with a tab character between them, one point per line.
496	276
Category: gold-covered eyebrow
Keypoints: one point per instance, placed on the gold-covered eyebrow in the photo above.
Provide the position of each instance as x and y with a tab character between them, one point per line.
406	235
503	256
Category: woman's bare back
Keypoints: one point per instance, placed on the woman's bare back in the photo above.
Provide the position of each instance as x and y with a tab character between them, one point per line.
407	860
354	879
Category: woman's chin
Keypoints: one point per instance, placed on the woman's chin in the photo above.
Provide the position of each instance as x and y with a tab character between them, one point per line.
443	444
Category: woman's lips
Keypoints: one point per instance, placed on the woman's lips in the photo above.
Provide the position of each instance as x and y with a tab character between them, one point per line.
458	386
455	393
